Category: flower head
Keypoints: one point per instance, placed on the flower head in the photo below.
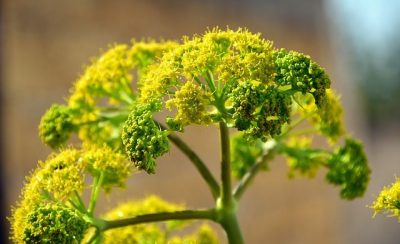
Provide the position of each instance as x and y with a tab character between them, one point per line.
191	102
143	139
348	168
260	111
114	166
56	126
54	223
388	200
61	174
107	76
301	73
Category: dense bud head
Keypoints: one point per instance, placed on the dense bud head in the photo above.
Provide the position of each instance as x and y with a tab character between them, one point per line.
114	166
348	168
259	110
301	73
56	126
388	200
53	223
143	139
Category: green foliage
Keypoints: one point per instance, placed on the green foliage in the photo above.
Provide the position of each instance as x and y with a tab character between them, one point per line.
348	168
143	139
53	223
56	126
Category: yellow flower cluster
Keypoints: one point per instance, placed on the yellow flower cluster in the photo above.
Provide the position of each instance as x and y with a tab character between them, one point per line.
61	178
328	119
388	200
114	166
108	76
191	102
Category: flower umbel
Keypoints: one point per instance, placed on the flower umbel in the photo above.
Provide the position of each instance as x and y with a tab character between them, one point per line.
144	140
388	200
53	223
56	126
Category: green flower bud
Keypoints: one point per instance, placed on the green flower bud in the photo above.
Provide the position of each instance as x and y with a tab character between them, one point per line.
144	141
301	73
259	110
53	223
348	168
56	126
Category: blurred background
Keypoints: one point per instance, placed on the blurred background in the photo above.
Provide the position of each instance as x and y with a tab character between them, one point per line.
44	45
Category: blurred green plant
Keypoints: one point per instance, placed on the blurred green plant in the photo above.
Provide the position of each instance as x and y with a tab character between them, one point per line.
275	100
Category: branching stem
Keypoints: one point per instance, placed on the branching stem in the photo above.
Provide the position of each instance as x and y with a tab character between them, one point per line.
98	180
249	176
209	214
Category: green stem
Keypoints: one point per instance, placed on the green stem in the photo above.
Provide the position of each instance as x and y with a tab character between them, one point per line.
226	192
232	228
155	217
79	199
98	180
269	153
197	162
247	179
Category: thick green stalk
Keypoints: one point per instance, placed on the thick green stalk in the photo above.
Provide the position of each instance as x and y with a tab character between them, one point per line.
226	191
227	207
209	214
231	226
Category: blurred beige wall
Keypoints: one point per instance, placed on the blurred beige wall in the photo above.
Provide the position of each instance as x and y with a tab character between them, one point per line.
47	43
